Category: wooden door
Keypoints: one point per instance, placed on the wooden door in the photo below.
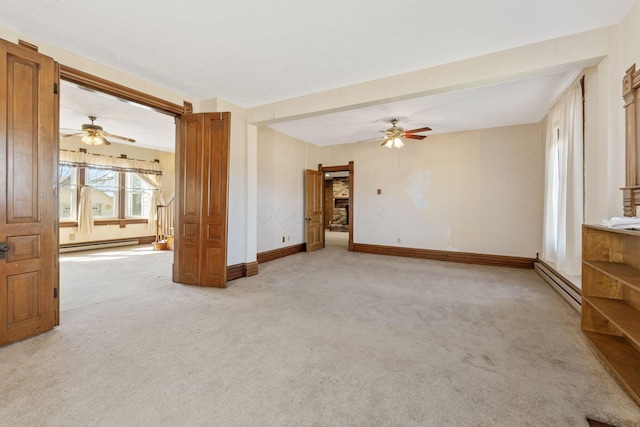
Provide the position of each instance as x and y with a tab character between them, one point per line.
201	234
28	145
328	202
314	197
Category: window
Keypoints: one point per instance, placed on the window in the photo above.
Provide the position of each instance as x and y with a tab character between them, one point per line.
114	194
104	192
68	193
138	196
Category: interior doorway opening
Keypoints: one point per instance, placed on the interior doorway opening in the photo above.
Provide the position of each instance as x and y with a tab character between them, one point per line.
338	205
135	174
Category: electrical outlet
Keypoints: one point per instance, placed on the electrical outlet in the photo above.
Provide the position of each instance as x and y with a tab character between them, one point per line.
399	240
288	238
282	239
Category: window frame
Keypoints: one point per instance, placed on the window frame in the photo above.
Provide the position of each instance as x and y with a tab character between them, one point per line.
122	220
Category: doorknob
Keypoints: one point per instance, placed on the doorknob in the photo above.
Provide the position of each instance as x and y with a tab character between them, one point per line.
3	248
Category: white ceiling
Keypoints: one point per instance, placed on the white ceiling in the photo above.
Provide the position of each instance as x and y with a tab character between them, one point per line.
149	128
252	52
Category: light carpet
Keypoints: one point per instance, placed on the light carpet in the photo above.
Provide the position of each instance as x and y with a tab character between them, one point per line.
326	338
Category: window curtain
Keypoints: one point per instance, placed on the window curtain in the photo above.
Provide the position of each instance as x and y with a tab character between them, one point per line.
563	194
157	198
149	171
85	212
94	161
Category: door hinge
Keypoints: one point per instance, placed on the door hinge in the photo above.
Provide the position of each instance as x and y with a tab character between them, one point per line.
55	191
55	88
55	292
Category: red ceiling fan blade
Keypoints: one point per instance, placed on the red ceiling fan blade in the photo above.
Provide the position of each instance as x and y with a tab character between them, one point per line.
415	136
424	129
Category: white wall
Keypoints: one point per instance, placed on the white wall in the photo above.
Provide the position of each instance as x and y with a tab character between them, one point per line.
282	161
478	191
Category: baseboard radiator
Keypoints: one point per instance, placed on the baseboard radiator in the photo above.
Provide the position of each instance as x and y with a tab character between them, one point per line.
567	291
97	245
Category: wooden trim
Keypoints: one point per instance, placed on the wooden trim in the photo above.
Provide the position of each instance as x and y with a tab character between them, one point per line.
450	256
120	91
238	271
28	45
351	169
99	222
280	253
146	240
235	271
251	269
343	168
141	241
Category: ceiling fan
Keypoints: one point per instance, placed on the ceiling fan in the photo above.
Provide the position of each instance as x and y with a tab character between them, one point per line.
393	135
95	135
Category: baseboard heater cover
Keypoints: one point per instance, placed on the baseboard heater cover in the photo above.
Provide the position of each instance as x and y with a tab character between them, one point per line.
569	294
97	245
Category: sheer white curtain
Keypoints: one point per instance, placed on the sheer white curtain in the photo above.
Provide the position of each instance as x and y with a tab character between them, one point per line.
85	212
563	198
157	197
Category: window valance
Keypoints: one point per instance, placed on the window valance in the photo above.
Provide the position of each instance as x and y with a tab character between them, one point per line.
95	161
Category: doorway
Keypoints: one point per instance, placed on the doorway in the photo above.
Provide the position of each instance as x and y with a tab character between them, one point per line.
338	205
123	192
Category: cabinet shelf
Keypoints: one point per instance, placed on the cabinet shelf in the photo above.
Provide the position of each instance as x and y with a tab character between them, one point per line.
620	358
611	301
627	274
622	315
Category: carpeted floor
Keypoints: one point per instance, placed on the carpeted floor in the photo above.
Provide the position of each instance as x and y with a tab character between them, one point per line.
326	338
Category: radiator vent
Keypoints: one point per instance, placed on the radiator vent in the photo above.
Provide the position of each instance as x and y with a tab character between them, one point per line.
566	291
99	245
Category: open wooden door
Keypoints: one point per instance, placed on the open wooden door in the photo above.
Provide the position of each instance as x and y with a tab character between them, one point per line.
314	197
201	195
28	215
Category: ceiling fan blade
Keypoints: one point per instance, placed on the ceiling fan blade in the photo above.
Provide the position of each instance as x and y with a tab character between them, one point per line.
424	129
71	134
415	136
371	139
124	138
104	140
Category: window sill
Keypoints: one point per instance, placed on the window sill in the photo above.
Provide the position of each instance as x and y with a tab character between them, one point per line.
98	222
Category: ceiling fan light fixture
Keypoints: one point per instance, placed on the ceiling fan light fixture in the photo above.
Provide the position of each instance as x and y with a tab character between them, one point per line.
90	139
393	142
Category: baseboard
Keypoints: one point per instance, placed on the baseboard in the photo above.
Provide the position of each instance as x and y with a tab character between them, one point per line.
567	290
450	256
238	271
100	244
280	253
251	269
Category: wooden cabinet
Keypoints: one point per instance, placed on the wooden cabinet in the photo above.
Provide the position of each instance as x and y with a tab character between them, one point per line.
611	301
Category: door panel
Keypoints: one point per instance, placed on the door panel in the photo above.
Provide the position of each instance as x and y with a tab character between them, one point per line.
201	238
314	197
28	145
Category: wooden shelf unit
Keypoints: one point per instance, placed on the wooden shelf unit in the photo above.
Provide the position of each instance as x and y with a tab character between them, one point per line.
611	301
